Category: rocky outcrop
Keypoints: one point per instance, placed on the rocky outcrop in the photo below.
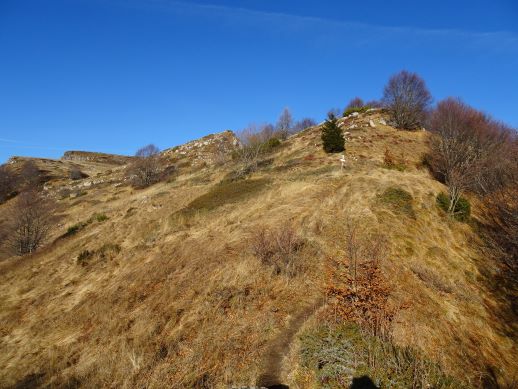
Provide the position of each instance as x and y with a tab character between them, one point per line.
87	156
210	149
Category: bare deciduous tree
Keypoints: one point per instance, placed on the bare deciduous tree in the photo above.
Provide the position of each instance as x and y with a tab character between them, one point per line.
303	124
145	170
30	220
147	151
407	99
468	150
357	102
284	124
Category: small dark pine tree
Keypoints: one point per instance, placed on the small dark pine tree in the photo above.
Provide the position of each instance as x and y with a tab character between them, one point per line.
332	137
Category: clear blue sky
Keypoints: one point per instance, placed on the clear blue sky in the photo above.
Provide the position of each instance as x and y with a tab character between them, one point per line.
112	75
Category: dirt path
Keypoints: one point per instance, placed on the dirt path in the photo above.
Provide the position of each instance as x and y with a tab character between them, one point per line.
272	369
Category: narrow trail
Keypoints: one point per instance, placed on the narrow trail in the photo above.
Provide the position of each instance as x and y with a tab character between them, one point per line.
272	370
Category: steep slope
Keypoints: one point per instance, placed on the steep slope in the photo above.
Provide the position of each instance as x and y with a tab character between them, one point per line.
170	294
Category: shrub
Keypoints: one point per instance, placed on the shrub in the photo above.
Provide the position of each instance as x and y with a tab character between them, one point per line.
145	170
98	217
407	98
399	200
469	150
461	211
84	256
108	251
74	229
351	110
278	248
332	138
105	252
341	355
271	144
255	142
76	174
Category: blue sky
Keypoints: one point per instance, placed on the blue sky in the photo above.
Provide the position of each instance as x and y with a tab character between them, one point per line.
113	75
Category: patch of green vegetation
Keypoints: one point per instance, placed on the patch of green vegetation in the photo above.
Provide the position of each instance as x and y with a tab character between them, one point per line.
351	110
337	354
98	217
462	210
271	144
74	229
399	200
226	192
400	167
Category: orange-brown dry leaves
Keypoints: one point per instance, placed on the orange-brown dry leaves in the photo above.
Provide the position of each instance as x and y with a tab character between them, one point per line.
360	294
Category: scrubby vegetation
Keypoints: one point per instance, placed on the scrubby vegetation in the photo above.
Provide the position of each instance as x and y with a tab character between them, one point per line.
343	355
145	170
279	248
105	252
461	211
398	200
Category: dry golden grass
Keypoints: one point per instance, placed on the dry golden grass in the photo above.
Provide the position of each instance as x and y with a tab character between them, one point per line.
185	303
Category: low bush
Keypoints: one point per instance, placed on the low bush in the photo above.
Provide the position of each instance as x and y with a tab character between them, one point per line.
351	110
399	200
462	210
76	174
105	252
271	144
98	217
340	354
74	229
278	248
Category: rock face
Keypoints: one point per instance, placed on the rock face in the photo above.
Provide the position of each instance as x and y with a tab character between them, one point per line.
210	149
87	156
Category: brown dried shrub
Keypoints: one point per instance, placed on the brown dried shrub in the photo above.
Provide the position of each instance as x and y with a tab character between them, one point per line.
356	289
279	248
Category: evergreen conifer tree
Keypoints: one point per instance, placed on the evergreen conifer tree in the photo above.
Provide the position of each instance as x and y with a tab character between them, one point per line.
332	137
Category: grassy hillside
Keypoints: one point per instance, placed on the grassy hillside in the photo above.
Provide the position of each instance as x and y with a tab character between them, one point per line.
164	290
